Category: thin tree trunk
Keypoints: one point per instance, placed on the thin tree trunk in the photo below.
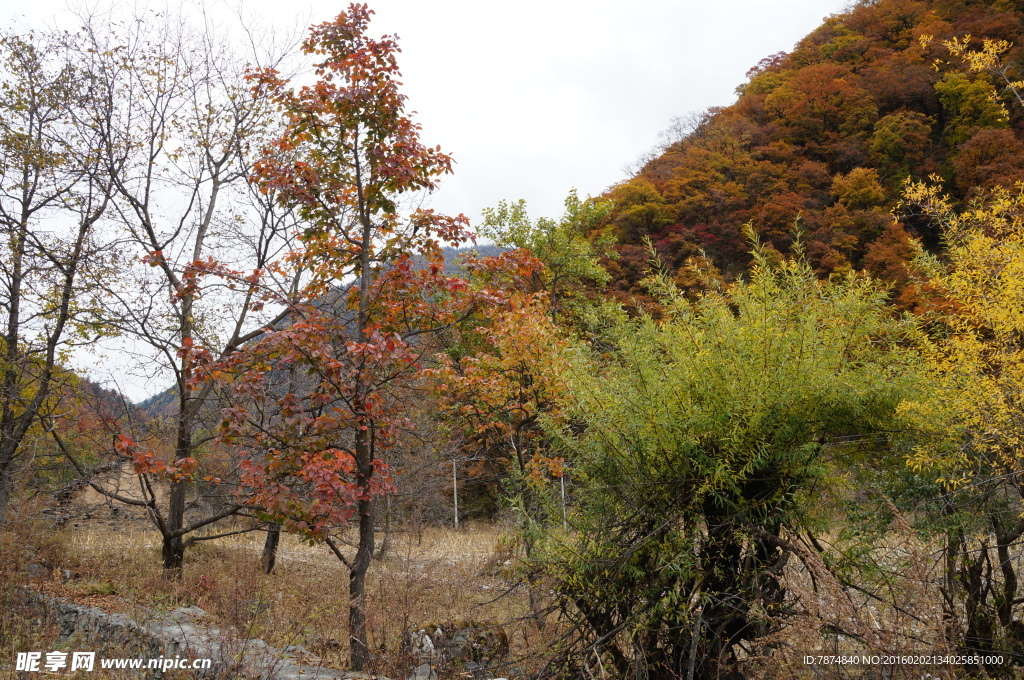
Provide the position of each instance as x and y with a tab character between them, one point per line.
531	508
359	653
533	587
11	391
269	558
173	545
6	488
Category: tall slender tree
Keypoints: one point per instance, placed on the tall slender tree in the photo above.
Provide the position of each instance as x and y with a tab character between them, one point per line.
971	423
348	155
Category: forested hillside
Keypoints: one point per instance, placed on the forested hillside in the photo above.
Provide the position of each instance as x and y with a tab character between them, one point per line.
823	138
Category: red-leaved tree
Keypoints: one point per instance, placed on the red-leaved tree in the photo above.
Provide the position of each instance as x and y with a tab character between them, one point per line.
316	397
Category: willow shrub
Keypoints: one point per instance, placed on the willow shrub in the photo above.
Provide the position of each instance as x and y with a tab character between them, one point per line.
698	447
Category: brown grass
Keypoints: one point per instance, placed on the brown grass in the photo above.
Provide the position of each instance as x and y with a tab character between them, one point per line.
902	615
34	557
435	575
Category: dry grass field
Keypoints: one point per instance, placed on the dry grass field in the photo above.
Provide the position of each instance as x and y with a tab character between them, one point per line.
435	575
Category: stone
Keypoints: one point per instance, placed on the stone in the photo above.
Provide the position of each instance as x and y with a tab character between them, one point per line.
419	644
183	632
476	671
423	672
460	641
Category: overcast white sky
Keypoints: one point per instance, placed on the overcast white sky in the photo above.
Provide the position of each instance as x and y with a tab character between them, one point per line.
536	97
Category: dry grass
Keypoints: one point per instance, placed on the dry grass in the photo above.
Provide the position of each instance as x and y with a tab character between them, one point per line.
895	612
435	575
32	558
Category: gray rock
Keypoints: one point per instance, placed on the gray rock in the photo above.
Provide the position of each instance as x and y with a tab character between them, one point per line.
477	671
191	612
419	644
183	632
423	672
483	643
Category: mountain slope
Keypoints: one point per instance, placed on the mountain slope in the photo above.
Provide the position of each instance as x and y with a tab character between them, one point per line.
826	135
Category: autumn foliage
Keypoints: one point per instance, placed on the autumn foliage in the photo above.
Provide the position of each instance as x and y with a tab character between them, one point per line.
887	91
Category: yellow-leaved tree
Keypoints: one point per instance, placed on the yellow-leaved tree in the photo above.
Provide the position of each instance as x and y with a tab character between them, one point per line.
973	425
500	377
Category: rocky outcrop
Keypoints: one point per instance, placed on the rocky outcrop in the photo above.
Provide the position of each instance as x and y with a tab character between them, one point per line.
187	633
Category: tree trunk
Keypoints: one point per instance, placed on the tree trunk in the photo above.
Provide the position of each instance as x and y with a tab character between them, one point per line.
359	653
533	587
6	488
721	560
976	579
532	517
173	545
10	391
269	558
950	582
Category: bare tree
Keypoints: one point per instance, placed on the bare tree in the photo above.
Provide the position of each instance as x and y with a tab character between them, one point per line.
200	243
51	199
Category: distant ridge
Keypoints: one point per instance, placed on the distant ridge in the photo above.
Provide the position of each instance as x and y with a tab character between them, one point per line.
165	402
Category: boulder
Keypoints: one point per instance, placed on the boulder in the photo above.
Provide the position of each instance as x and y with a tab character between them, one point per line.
452	642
